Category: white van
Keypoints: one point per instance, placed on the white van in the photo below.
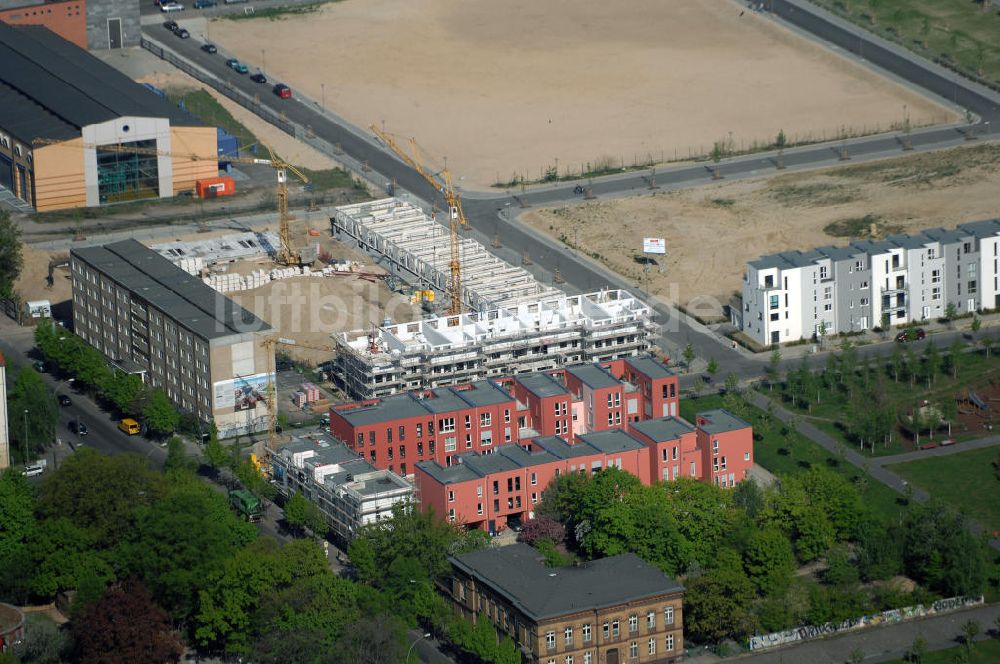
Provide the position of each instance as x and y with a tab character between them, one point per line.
33	470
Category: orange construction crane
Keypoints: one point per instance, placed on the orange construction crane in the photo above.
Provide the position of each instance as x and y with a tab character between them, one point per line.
456	215
287	254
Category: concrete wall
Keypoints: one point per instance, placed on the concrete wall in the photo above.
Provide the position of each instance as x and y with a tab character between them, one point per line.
99	12
66	19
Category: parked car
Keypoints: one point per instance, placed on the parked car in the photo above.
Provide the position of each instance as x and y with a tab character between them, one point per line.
204	4
182	33
283	91
209	48
171	7
39	366
78	427
171	25
259	78
911	334
65	400
129	426
236	66
233	2
33	471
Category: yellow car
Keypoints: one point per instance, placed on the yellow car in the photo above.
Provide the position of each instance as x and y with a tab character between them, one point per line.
129	426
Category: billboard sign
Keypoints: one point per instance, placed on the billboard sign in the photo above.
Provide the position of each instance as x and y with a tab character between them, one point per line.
654	245
242	392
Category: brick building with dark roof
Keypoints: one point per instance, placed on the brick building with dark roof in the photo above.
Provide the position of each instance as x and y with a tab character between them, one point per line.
607	611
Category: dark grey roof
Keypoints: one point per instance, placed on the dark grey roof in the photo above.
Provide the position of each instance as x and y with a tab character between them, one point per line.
650	367
482	393
593	376
981	229
610	441
75	89
184	298
487	464
518	572
444	401
541	384
663	428
450	475
839	253
560	449
386	410
720	421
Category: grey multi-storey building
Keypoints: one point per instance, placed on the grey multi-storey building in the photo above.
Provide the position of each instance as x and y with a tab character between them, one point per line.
149	317
904	278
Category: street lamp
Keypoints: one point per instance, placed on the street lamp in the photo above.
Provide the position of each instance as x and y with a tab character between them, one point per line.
322	86
25	437
415	642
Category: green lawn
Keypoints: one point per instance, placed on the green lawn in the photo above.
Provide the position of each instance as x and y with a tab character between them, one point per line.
956	32
968	481
204	106
984	652
828	408
784	452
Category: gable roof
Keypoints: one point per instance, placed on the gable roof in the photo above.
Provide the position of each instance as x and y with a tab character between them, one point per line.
55	88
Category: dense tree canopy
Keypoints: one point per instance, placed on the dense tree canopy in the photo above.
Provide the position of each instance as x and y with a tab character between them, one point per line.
11	258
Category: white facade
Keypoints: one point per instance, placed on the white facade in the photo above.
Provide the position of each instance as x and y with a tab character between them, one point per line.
530	336
349	491
127	130
904	278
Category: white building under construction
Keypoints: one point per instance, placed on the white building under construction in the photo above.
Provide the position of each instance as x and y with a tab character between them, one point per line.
416	247
530	336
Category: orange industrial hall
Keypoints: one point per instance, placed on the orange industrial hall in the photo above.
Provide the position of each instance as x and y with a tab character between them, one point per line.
75	132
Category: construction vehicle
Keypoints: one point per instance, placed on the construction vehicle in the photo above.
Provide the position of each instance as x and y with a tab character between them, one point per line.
287	254
246	504
456	215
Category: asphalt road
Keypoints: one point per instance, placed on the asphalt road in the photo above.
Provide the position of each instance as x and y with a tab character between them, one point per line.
495	215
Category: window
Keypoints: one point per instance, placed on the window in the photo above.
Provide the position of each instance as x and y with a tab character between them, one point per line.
402	433
864	302
388	435
652	646
534	479
668	615
371	437
479	491
586	632
430	446
485	419
588	657
506	416
534	498
361	440
860	265
670	643
402	451
746	456
451	496
449	445
569	659
451	514
828	293
468	441
420	430
774	302
606	630
420	449
550	640
568	636
822	275
633	650
446	424
615	628
972	287
633	624
479	508
828	307
936	293
651	620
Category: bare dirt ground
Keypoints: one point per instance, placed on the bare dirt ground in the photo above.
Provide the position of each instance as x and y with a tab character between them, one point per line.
712	231
310	309
513	88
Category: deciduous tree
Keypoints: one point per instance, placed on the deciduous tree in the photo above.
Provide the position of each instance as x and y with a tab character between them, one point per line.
159	414
124	627
11	258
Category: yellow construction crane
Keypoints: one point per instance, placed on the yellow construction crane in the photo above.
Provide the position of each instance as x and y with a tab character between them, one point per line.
456	215
268	343
287	254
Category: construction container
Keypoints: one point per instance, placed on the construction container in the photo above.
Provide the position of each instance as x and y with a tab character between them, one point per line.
215	187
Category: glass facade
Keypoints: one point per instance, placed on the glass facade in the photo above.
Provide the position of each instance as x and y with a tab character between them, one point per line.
127	176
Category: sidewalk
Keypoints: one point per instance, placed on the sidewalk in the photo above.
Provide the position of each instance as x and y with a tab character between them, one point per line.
867	465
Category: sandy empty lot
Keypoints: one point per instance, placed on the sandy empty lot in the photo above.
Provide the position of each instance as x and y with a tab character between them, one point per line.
711	232
512	88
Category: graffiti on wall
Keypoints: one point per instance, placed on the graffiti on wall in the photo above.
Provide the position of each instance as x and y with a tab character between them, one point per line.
807	632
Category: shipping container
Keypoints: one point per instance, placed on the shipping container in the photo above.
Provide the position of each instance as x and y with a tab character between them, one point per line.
215	187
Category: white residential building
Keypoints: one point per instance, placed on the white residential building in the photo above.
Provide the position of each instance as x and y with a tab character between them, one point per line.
349	490
832	290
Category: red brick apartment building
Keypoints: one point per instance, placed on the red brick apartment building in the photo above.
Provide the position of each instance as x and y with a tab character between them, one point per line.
397	431
488	491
